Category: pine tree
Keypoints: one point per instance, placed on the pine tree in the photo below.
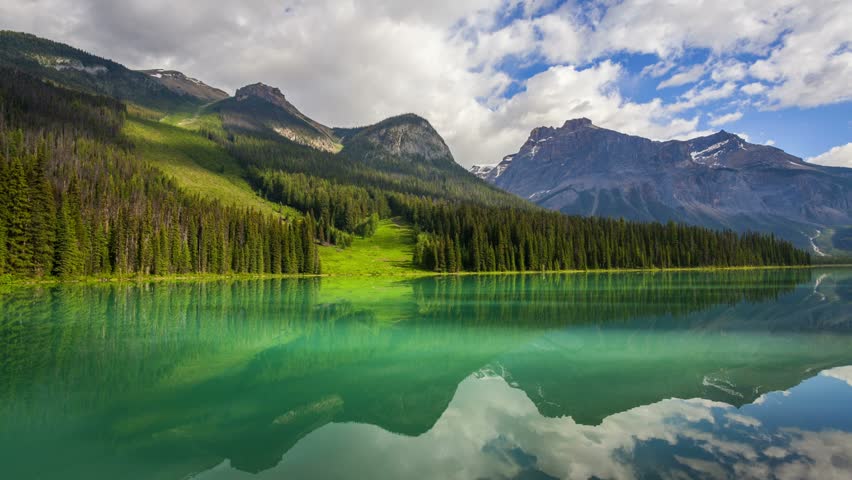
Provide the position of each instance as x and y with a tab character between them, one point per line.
68	257
2	246
145	239
100	250
19	248
43	224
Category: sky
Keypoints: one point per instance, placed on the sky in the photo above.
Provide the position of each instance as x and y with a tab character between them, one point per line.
486	72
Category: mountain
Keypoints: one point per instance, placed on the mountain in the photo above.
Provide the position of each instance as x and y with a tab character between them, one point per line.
75	69
717	181
405	135
402	154
181	84
261	109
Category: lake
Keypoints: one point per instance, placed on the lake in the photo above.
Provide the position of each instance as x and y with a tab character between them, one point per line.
732	374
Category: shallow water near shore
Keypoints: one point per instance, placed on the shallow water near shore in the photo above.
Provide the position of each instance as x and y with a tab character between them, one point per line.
741	374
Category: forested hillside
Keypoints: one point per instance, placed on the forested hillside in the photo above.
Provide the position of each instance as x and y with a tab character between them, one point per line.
77	201
91	185
464	225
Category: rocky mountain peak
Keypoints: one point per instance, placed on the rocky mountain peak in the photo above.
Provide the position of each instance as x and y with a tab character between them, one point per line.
179	83
576	124
542	134
406	135
725	135
263	107
264	92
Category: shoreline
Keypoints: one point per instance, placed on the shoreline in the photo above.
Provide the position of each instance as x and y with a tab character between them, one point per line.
208	277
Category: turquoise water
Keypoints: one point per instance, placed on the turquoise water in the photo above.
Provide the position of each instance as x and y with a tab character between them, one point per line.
663	375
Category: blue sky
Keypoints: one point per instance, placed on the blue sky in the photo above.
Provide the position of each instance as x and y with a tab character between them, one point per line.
806	131
486	72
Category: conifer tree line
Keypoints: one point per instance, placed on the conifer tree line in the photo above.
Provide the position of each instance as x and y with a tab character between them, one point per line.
472	237
475	238
75	201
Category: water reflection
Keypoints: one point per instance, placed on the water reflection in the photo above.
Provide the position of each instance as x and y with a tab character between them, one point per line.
491	430
167	380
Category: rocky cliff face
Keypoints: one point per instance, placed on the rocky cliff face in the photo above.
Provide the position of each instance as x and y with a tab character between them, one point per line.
719	181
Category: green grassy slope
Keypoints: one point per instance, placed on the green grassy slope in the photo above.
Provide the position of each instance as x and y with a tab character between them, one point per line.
201	167
195	121
388	252
198	165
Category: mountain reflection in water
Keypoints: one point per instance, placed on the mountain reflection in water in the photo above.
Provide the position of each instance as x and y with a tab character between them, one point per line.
491	430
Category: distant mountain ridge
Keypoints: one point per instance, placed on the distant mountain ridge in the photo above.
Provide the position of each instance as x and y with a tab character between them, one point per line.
718	181
78	70
255	109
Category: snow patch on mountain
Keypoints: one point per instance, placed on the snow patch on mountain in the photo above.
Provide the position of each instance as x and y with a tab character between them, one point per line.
490	171
713	151
539	194
710	155
483	170
160	73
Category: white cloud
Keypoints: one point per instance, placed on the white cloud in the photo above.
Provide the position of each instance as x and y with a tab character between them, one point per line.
348	62
753	88
668	28
689	75
697	96
810	67
725	119
812	59
769	142
518	38
729	71
564	42
840	156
